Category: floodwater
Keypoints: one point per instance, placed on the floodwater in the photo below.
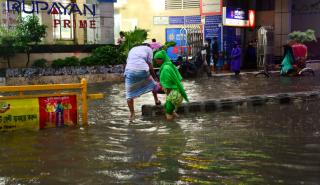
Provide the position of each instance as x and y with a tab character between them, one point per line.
270	144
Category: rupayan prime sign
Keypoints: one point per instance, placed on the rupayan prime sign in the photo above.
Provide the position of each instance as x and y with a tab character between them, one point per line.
238	17
54	8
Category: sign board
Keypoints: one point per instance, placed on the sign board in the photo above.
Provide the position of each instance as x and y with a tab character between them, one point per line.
178	36
160	20
176	20
196	19
181	20
35	113
212	27
238	17
58	111
212	20
211	31
210	7
20	113
56	9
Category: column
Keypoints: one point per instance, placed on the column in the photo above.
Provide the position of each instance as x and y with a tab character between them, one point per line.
106	24
282	25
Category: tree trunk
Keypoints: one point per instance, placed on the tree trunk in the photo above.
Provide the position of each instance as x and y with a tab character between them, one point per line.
9	64
28	55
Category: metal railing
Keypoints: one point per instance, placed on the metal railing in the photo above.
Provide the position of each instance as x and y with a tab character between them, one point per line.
82	86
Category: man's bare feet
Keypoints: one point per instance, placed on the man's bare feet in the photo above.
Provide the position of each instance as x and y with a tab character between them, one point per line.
132	117
158	102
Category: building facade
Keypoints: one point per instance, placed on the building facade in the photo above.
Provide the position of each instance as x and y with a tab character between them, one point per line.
67	21
152	15
281	16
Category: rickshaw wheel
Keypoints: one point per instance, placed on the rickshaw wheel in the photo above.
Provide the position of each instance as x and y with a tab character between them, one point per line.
306	71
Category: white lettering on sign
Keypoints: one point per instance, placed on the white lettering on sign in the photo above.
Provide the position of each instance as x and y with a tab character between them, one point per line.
239	14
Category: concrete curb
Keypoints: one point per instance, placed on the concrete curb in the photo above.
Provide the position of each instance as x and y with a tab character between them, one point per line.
242	73
231	103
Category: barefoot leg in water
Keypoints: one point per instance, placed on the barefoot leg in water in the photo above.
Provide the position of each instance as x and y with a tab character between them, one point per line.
156	100
131	108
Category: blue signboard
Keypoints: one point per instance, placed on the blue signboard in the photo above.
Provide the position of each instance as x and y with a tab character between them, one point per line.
212	27
212	20
175	34
176	20
211	31
196	19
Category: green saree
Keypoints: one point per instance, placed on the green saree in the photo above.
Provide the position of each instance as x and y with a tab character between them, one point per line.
170	80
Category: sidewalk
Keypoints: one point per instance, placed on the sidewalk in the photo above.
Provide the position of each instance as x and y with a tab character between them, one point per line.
227	73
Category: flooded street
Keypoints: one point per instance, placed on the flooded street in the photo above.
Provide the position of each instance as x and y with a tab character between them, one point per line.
272	144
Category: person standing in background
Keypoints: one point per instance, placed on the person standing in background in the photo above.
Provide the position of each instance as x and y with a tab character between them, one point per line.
155	45
250	57
215	52
121	39
208	56
236	58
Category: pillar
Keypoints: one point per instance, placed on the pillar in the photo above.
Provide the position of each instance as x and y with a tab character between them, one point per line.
282	25
106	23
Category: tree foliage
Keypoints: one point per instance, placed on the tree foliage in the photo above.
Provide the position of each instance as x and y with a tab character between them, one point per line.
40	63
132	39
8	44
29	32
300	36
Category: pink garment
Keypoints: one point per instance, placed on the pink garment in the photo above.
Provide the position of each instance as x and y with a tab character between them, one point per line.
155	45
300	51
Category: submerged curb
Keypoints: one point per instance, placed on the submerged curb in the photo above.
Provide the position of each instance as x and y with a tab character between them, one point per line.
231	103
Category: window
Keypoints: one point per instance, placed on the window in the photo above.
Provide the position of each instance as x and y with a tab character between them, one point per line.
182	4
191	4
93	35
63	25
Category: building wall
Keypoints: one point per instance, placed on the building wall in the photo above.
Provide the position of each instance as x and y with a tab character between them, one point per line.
140	13
106	23
282	24
102	34
265	18
309	12
20	60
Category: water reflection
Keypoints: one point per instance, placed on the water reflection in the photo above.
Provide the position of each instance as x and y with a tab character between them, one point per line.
262	145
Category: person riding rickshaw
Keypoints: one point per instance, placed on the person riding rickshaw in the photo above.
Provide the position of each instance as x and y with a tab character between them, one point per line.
295	54
294	58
